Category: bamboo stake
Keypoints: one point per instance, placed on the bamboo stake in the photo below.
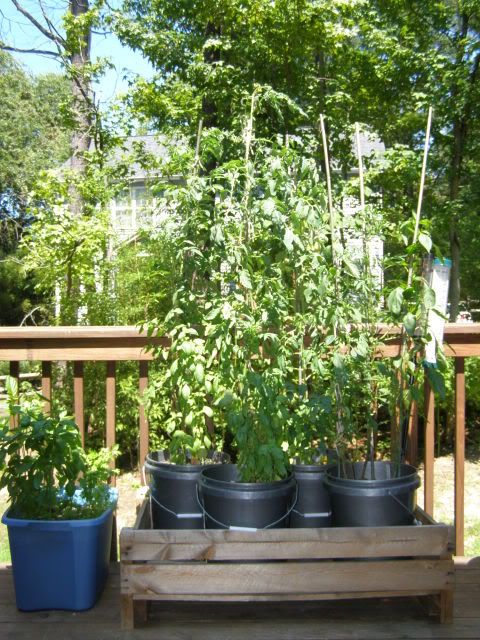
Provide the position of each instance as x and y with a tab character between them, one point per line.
338	391
248	145
197	145
329	193
420	191
362	198
418	213
371	443
360	167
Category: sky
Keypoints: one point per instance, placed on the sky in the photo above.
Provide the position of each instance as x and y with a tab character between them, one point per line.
16	30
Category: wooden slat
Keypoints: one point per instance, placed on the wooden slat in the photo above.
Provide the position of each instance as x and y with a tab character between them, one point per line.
282	544
87	349
110	405
459	456
292	578
47	386
78	398
14	372
143	423
429	447
68	332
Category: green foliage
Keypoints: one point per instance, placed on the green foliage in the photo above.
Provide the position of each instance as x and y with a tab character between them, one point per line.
32	132
34	137
43	465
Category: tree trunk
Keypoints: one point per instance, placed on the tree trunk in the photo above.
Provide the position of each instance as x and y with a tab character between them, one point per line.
81	92
456	162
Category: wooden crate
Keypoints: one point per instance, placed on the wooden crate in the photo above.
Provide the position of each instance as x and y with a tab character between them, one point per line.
284	564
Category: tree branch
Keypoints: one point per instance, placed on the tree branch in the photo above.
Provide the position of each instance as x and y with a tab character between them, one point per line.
39	52
50	24
46	32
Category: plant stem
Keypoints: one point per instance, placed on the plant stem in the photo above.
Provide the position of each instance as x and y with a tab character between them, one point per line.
338	392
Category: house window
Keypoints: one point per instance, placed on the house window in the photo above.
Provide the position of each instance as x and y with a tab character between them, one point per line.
131	210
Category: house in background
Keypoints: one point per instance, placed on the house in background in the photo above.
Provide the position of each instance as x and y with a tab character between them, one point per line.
135	208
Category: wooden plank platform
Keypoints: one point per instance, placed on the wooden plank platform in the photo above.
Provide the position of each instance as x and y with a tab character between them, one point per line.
284	565
359	619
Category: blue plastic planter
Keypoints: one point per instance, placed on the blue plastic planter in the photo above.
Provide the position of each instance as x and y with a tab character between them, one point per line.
59	564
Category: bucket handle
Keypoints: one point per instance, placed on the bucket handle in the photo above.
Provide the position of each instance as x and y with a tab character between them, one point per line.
405	507
179	516
321	514
237	528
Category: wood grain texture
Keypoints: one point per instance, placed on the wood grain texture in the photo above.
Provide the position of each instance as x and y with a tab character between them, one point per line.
152	581
283	544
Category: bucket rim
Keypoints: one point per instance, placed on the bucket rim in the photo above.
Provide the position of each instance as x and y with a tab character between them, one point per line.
410	475
237	484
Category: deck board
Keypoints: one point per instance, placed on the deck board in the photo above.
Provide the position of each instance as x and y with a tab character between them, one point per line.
404	618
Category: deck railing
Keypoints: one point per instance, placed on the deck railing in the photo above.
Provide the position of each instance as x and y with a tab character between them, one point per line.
113	344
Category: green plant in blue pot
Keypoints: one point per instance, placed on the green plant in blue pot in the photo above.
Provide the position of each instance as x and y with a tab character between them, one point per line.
61	508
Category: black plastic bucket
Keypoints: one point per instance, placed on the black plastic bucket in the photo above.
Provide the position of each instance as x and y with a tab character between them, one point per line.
360	501
313	503
231	504
173	491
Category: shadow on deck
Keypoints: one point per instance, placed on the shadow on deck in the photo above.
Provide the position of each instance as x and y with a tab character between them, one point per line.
404	618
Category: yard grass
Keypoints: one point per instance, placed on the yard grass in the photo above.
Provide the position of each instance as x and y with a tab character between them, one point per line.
131	495
444	496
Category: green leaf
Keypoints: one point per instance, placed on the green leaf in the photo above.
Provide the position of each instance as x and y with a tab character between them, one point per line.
428	297
437	381
199	373
426	242
245	280
288	239
410	323
208	411
395	300
338	361
351	267
185	392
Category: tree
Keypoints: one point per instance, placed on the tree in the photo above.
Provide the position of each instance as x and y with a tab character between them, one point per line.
378	62
71	46
33	137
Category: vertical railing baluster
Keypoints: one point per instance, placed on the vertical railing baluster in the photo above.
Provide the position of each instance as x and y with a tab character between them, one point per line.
110	417
459	456
15	373
47	386
143	422
412	437
78	398
429	457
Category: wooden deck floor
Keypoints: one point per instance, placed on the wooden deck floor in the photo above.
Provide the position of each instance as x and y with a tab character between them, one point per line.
347	620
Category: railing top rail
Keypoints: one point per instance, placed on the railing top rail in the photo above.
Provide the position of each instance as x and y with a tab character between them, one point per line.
59	333
128	343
